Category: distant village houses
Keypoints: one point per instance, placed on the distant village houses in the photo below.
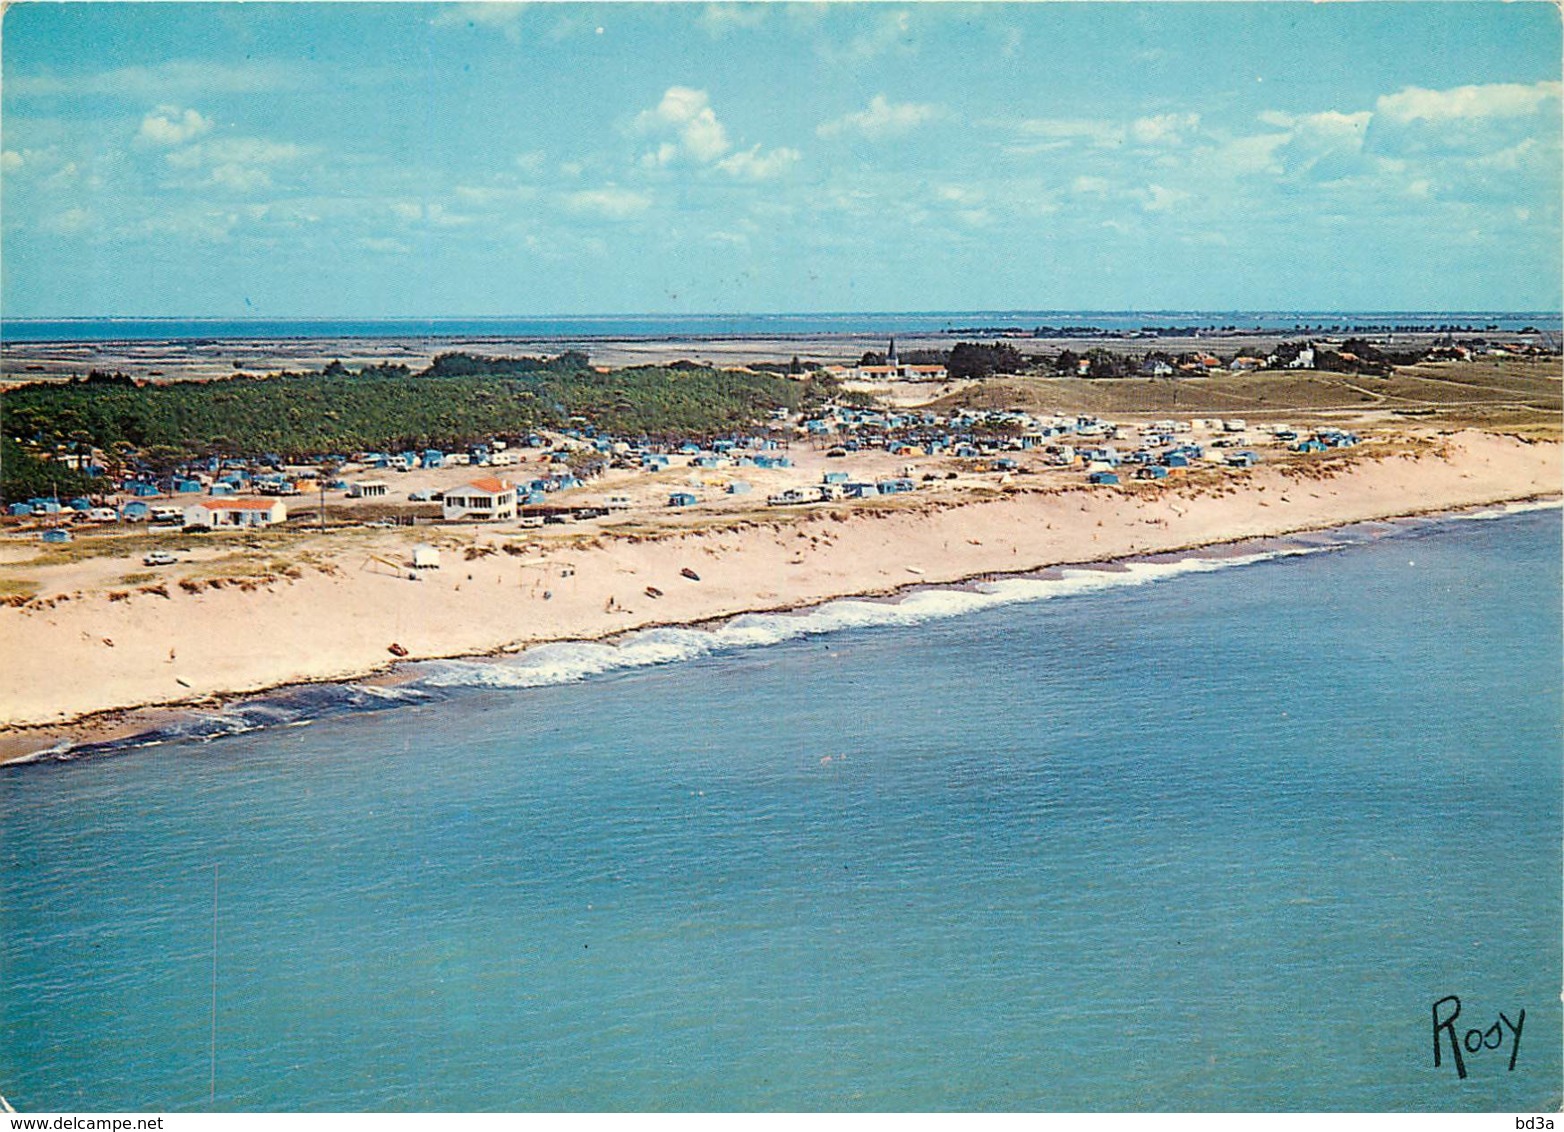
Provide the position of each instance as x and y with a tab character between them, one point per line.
894	369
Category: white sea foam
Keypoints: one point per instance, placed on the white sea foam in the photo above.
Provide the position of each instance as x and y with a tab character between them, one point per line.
61	748
570	661
398	693
1507	509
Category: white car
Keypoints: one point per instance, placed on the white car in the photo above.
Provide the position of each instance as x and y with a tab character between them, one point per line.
159	558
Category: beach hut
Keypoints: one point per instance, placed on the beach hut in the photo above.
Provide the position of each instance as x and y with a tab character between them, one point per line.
1102	478
20	509
681	499
835	477
1245	459
367	489
1151	472
426	557
738	487
135	511
57	534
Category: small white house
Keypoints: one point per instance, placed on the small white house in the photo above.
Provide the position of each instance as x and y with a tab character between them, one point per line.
369	489
488	499
218	513
426	557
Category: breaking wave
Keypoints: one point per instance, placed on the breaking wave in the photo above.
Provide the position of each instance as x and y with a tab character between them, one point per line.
569	661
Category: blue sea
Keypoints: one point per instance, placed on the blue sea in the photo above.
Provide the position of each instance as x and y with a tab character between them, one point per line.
1201	833
653	326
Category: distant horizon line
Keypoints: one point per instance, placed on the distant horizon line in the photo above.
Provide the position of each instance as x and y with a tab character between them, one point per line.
606	315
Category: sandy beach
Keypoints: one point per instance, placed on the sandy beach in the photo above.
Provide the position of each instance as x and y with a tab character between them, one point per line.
89	652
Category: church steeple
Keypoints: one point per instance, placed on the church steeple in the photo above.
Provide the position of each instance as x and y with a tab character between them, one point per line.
890	353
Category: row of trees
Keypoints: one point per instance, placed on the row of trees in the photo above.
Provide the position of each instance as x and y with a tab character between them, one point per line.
458	400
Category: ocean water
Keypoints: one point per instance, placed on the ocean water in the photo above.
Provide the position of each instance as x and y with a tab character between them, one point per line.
742	325
1210	835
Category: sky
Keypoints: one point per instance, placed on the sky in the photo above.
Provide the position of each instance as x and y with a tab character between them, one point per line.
357	160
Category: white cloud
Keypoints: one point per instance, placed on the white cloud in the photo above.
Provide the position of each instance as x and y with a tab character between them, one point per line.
197	224
1494	100
493	196
240	165
1090	186
891	31
750	164
691	133
1327	146
719	19
1066	131
63	177
1164	129
383	245
175	78
168	126
11	161
1157	198
505	17
1255	153
687	113
248	151
238	178
1510	159
611	202
958	194
68	222
1464	120
881	119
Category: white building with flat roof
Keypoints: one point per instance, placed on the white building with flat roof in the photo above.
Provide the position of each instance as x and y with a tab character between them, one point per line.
218	513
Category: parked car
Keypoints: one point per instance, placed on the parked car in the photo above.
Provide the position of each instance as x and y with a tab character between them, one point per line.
159	558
